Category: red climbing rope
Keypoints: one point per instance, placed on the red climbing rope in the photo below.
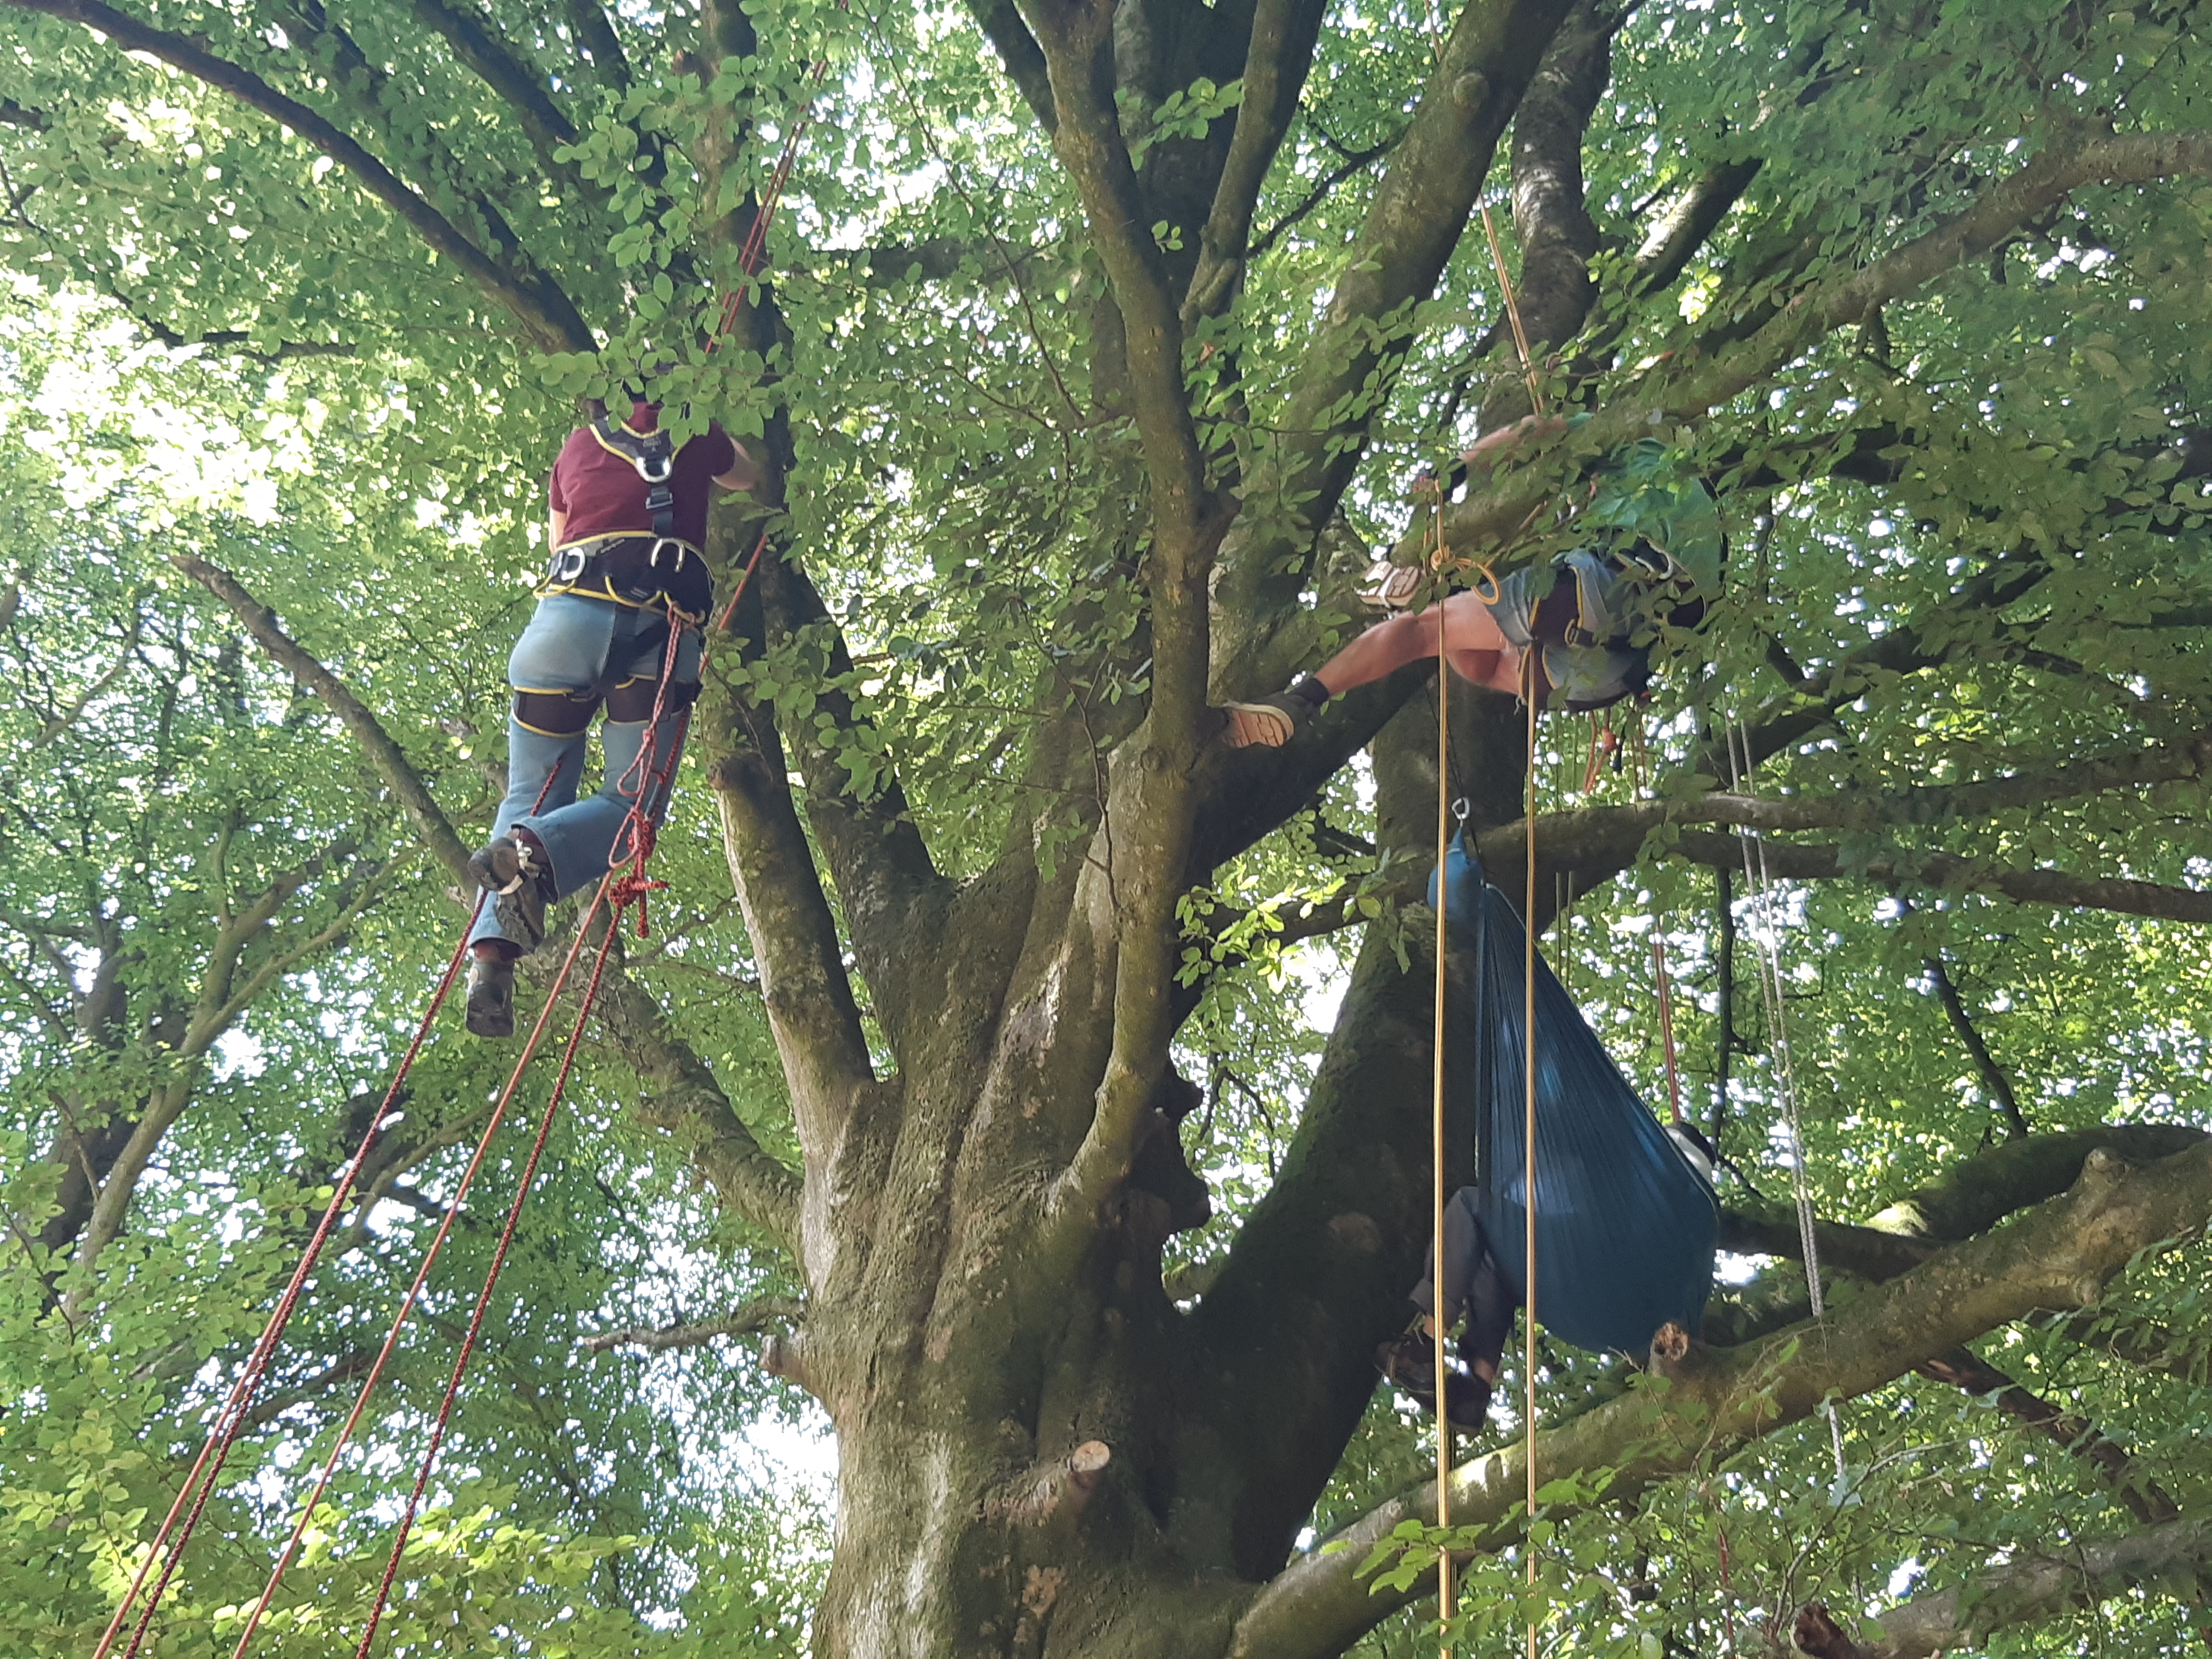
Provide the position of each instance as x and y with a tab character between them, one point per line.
230	1421
617	886
744	581
407	1303
754	253
634	845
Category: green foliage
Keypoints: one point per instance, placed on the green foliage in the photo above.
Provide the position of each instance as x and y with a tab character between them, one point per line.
218	341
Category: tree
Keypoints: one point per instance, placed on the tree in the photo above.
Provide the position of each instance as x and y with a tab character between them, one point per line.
1090	368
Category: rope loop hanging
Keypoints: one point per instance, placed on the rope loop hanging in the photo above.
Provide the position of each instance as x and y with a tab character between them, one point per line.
1766	939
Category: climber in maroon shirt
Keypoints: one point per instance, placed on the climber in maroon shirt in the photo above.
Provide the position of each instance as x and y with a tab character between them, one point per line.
628	520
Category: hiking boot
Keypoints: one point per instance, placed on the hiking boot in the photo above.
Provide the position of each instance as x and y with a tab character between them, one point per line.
1409	1362
513	870
491	996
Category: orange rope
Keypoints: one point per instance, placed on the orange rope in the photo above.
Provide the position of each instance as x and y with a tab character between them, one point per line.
1531	668
1445	1596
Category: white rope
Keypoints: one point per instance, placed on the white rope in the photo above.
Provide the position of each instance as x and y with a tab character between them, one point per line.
1766	934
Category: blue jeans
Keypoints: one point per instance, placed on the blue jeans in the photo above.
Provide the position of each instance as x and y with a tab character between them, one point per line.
577	648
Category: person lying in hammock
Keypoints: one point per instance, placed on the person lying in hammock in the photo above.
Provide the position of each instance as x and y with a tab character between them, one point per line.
1474	1286
1590	616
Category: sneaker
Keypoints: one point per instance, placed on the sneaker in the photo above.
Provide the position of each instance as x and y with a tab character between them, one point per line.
1409	1362
513	870
1269	723
491	996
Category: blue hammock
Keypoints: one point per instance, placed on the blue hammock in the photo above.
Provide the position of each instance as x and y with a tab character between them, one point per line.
1626	1228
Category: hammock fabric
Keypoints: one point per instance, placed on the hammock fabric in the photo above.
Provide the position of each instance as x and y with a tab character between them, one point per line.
1626	1228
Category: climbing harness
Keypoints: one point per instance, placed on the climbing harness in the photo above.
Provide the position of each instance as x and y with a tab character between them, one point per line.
1766	939
654	456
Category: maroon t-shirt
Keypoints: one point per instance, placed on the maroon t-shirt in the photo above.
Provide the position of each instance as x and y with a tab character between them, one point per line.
603	495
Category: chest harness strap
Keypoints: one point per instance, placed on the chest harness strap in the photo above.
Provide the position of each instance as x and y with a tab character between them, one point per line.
654	454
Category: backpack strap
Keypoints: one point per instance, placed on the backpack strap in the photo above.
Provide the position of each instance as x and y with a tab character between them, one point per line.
654	457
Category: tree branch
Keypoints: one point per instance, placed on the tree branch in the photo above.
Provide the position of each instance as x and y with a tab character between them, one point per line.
1276	64
1020	55
1963	1369
1686	386
1962	1617
1689	224
684	1098
1357	161
883	873
810	1009
478	44
2059	1254
743	1320
1419	212
1985	1063
390	761
535	300
1794	861
1187	520
1558	236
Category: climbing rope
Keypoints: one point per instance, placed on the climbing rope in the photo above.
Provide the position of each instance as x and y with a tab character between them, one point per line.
1664	980
1531	666
1444	1591
230	1421
1766	938
754	253
653	771
634	846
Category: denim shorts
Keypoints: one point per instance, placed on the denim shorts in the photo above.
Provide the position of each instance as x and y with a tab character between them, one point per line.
577	646
1602	667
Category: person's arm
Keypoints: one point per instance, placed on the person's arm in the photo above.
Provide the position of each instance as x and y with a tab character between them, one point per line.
1491	447
556	528
744	472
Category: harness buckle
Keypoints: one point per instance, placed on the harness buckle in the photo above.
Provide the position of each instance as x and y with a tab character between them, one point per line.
569	563
655	466
683	550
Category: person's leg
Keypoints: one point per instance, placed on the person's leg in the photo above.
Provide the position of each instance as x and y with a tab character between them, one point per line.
1477	648
555	669
1475	641
1491	1306
1409	1361
581	839
542	771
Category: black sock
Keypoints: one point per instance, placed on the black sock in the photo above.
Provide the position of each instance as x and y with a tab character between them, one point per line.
1310	690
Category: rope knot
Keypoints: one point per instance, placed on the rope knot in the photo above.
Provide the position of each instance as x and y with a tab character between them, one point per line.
631	889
